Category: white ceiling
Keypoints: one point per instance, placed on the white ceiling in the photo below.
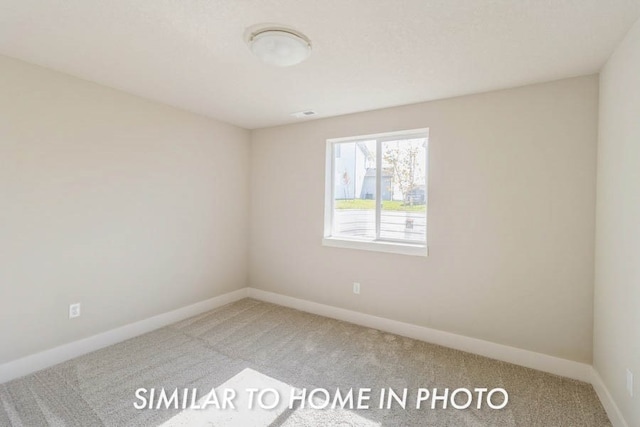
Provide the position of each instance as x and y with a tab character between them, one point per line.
367	54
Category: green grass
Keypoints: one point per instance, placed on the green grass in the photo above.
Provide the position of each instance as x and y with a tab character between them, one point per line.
387	205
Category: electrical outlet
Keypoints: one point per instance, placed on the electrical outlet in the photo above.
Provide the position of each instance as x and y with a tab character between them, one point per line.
630	382
356	288
74	310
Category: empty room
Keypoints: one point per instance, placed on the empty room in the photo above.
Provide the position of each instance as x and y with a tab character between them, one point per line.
319	213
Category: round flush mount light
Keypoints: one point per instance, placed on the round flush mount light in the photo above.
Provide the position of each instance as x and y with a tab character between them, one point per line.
279	46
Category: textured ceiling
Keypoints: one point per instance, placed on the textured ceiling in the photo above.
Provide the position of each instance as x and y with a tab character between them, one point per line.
367	54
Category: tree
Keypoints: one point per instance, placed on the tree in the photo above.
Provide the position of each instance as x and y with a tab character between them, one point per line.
346	179
403	158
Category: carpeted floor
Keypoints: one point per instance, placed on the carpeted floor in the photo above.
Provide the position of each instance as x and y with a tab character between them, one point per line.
300	350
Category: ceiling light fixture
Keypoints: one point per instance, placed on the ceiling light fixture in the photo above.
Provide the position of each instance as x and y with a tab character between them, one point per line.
279	46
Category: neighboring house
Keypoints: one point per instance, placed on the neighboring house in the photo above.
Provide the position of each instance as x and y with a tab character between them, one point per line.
355	173
368	190
352	162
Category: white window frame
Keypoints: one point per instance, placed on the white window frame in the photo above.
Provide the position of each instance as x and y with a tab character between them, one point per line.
377	244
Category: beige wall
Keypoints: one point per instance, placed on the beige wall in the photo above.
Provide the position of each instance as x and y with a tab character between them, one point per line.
134	209
511	218
130	207
617	279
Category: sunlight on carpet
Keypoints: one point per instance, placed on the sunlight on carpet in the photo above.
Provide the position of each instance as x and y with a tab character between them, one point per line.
252	414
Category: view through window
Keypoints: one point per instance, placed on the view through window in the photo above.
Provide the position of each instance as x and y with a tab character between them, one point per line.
378	188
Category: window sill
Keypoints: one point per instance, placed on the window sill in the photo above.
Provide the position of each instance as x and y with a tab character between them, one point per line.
377	246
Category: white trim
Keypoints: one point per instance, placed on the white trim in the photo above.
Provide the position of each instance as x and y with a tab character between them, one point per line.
378	200
35	362
529	359
615	416
329	190
386	136
376	246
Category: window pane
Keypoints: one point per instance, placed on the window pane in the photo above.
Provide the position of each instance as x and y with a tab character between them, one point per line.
404	190
354	209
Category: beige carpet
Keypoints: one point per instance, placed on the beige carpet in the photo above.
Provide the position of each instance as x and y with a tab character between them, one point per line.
296	349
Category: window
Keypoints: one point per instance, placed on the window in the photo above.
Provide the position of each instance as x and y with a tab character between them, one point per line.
376	192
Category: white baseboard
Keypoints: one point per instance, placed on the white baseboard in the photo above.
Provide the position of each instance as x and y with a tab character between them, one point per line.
529	359
555	365
35	362
615	416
